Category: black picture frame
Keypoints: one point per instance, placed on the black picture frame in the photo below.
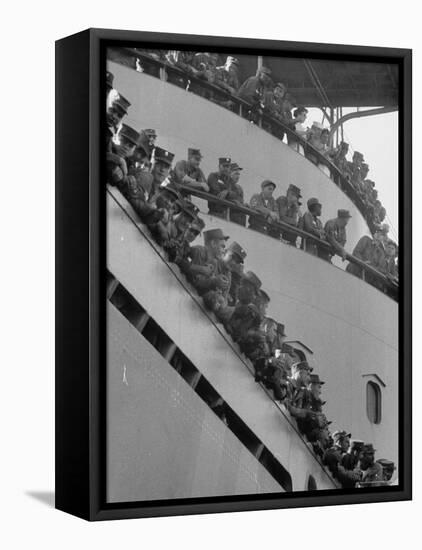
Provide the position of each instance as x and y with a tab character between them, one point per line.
80	277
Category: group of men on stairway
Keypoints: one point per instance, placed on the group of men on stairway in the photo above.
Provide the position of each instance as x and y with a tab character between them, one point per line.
233	296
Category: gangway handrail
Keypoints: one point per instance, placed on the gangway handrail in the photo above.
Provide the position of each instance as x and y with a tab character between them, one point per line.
389	287
336	175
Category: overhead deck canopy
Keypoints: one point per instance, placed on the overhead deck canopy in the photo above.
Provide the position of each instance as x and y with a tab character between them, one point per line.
346	84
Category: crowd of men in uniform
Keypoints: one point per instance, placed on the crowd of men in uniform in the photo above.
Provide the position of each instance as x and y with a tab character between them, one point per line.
159	194
270	98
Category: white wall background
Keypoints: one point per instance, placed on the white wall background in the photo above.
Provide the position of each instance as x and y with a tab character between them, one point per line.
27	244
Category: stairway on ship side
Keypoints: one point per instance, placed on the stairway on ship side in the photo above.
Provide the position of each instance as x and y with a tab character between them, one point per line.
157	327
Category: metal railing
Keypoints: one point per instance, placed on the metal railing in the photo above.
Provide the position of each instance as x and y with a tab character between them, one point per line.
369	273
168	72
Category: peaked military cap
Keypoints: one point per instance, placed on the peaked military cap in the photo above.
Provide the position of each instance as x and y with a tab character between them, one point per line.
312	202
358	155
387	464
161	155
368	448
253	279
109	79
303	365
280	85
234	167
214	234
150	132
343	214
267	183
238	250
340	434
294	189
121	103
224	160
194	153
264	295
130	134
316	380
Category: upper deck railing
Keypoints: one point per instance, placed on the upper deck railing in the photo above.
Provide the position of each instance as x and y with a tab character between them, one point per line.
141	61
369	273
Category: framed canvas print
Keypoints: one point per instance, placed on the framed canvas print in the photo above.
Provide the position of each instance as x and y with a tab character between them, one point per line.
233	274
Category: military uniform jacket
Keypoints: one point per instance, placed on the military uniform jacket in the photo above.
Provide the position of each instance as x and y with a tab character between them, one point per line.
373	473
288	213
367	250
264	206
226	80
313	225
202	256
335	235
251	90
217	183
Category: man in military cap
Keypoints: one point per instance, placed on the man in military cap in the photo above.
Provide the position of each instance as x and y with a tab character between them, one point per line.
234	258
351	458
333	459
254	88
313	225
265	204
317	433
262	302
206	65
194	175
161	165
371	471
390	267
274	107
182	60
313	399
249	287
338	156
379	213
272	370
116	109
388	468
117	169
335	234
210	255
298	382
356	163
371	252
289	211
235	194
188	214
218	184
183	253
148	139
246	315
227	75
165	200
